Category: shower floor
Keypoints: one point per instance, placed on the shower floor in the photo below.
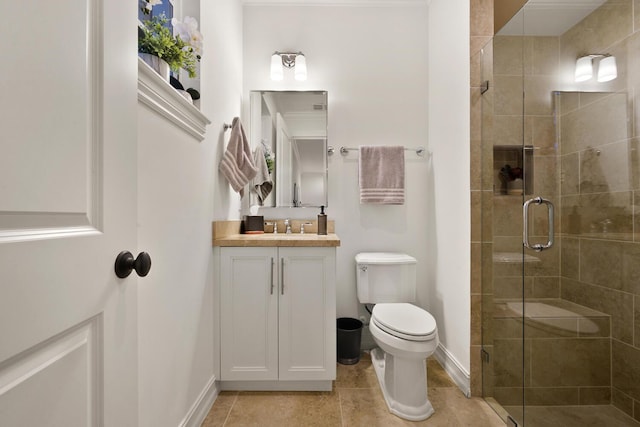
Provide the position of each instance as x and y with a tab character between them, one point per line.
572	416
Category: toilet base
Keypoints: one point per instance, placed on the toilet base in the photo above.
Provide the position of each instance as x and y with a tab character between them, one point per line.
404	385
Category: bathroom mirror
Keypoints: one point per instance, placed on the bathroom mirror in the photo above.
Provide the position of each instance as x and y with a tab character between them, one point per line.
293	126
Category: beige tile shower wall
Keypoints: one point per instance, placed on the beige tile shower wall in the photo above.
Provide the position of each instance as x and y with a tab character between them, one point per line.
600	187
481	32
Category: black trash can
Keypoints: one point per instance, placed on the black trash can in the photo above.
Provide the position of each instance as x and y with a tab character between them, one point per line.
349	334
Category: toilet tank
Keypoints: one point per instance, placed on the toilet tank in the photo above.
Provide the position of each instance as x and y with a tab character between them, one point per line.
385	277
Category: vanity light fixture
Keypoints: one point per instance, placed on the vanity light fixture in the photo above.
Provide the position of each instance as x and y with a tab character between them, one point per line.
282	60
607	69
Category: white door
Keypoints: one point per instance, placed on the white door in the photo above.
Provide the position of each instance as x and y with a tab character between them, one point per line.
68	331
249	313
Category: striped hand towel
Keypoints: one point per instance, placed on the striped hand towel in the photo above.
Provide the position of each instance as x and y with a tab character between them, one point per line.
381	175
237	162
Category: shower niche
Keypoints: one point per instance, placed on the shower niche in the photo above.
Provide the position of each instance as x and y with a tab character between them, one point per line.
512	170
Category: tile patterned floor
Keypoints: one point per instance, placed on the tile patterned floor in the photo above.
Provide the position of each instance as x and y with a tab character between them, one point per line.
355	400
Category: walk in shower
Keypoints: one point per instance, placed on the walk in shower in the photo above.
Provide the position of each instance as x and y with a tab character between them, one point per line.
561	230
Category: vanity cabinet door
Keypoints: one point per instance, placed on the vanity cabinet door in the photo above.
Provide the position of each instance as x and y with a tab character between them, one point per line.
249	313
307	313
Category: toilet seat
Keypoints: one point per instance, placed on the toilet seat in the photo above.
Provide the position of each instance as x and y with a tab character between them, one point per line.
405	321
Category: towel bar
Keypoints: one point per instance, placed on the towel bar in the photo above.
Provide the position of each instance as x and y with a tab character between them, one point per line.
420	151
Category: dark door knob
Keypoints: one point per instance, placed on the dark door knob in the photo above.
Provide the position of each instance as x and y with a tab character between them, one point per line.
125	264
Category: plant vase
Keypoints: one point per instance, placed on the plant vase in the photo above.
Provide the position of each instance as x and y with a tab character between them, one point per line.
158	64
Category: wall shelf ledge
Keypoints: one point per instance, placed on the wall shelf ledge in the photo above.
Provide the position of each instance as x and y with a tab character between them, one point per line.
161	97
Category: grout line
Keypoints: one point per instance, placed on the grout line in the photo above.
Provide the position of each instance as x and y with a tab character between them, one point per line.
340	406
230	409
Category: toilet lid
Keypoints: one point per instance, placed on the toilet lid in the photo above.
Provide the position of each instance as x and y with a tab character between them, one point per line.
405	321
384	258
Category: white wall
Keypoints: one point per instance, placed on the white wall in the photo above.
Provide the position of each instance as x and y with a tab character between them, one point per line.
180	194
373	63
449	180
223	83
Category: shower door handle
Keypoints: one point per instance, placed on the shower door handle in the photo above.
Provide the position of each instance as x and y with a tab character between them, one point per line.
525	218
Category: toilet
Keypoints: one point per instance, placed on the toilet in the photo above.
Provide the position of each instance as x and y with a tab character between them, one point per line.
405	334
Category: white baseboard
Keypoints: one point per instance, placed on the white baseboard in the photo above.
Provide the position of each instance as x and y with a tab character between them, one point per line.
459	375
200	408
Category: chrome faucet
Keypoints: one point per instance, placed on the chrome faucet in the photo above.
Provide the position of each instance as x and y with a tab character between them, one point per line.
287	226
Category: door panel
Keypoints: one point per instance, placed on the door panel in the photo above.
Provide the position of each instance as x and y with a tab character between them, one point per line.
249	314
62	183
35	376
307	314
51	128
68	328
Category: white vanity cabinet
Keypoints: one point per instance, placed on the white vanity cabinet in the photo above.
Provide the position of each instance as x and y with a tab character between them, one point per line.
277	318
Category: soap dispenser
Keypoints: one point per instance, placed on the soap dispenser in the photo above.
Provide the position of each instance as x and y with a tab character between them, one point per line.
322	222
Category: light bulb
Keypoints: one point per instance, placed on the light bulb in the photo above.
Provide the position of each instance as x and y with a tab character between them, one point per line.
300	70
277	73
607	69
584	69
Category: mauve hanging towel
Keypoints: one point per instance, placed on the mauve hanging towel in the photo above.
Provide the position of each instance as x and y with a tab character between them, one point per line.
237	163
381	175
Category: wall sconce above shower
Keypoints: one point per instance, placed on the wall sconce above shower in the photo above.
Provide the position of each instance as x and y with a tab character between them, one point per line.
282	60
607	68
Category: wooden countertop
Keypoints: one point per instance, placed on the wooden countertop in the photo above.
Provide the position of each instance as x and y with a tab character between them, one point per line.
227	233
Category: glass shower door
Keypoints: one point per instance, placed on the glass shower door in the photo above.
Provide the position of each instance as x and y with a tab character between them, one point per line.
508	159
561	316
